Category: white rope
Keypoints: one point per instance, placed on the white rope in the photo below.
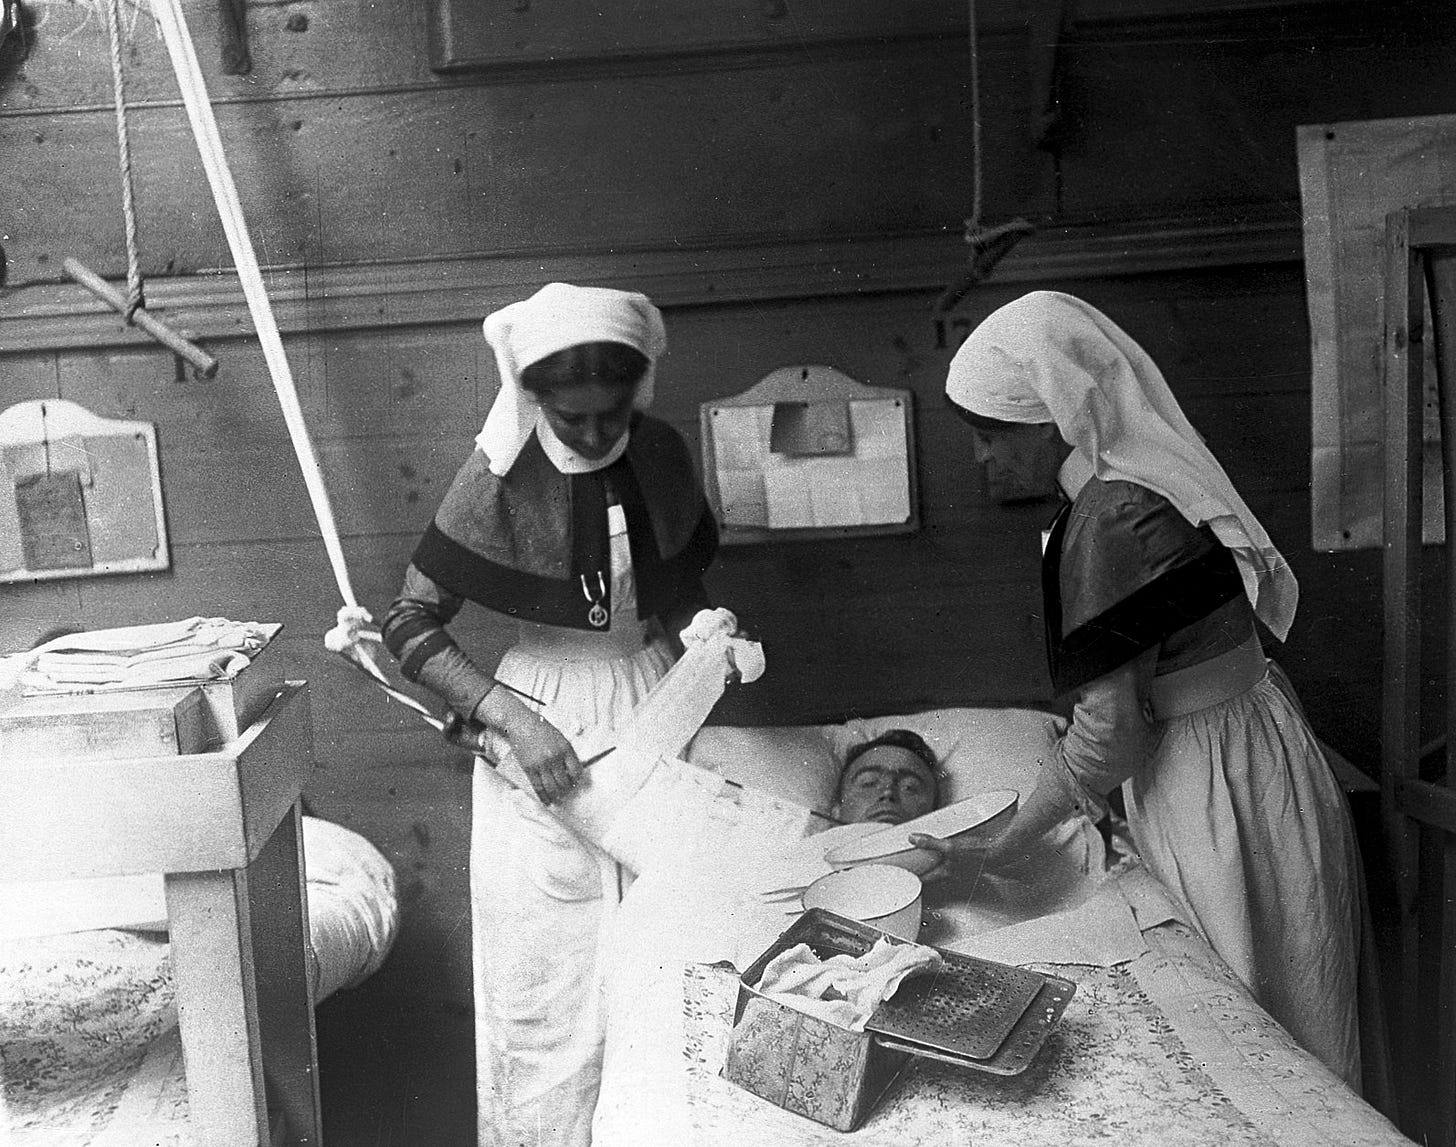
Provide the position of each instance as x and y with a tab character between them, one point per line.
975	220
134	299
214	161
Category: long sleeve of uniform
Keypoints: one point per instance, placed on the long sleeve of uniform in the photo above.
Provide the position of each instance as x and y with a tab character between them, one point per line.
1128	584
415	631
1110	736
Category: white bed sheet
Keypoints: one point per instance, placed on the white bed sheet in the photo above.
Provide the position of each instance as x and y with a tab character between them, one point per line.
1168	1049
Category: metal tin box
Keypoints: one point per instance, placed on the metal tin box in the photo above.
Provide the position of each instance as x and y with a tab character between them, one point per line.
972	1013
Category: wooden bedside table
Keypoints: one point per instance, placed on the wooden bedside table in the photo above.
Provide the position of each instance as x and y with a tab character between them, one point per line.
223	827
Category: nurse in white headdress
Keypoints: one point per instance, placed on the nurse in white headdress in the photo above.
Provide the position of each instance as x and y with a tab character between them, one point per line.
1154	573
580	518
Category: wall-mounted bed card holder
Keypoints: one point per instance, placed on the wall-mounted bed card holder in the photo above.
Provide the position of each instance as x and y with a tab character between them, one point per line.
809	452
79	494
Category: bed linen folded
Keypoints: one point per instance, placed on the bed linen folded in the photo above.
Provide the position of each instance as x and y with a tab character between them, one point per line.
197	649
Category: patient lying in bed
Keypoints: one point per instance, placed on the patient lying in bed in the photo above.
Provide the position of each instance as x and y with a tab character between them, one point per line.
710	842
758	815
1160	1039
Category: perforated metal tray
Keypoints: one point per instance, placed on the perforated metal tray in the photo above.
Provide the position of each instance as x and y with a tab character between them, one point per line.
1022	1042
969	1007
974	1013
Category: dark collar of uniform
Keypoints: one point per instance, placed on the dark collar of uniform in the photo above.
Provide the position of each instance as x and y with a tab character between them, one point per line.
534	544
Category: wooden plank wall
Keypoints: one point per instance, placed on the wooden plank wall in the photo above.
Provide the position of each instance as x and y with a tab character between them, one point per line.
802	207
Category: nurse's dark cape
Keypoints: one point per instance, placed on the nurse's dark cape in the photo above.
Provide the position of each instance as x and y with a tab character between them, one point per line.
1123	570
533	544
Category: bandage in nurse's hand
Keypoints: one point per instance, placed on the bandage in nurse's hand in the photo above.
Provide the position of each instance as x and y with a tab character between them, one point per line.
713	625
639	803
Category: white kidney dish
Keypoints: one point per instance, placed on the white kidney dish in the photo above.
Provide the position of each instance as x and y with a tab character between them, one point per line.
983	815
880	895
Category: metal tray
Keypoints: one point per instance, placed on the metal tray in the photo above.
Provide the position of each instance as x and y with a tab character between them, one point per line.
1022	1043
968	1008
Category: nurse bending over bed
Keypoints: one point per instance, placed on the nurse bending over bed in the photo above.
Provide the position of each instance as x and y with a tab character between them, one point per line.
579	517
1153	574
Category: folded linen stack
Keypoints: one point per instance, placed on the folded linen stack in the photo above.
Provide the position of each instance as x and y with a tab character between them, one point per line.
197	649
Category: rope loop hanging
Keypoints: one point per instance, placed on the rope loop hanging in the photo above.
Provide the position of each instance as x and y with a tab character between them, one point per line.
988	245
132	307
134	296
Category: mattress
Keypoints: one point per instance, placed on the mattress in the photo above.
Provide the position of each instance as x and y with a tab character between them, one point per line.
89	1047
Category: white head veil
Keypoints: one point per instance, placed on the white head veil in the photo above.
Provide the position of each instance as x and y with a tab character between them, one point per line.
557	316
1049	357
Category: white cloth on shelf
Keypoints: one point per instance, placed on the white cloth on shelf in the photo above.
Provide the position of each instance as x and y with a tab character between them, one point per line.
197	649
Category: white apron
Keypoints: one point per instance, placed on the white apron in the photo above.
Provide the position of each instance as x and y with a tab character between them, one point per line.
540	895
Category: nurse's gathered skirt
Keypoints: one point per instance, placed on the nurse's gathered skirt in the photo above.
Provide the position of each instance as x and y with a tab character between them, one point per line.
1240	815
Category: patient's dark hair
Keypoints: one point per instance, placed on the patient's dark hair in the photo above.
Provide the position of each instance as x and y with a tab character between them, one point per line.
604	363
900	739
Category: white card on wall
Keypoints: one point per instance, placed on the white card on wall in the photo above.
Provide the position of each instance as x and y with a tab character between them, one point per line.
79	494
809	450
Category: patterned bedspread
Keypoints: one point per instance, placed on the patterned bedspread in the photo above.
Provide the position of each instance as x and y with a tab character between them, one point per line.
1167	1049
88	1043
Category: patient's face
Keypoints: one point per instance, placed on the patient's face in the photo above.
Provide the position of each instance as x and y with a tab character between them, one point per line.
887	784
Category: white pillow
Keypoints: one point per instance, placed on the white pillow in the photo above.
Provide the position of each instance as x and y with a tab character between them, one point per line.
979	749
353	910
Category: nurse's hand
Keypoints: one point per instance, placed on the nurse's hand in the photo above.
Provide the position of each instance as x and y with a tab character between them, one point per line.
548	760
539	747
948	854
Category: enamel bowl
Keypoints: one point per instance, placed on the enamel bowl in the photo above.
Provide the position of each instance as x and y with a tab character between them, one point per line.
979	818
880	895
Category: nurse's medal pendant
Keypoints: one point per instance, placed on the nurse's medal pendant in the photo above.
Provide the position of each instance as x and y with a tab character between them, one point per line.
597	615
